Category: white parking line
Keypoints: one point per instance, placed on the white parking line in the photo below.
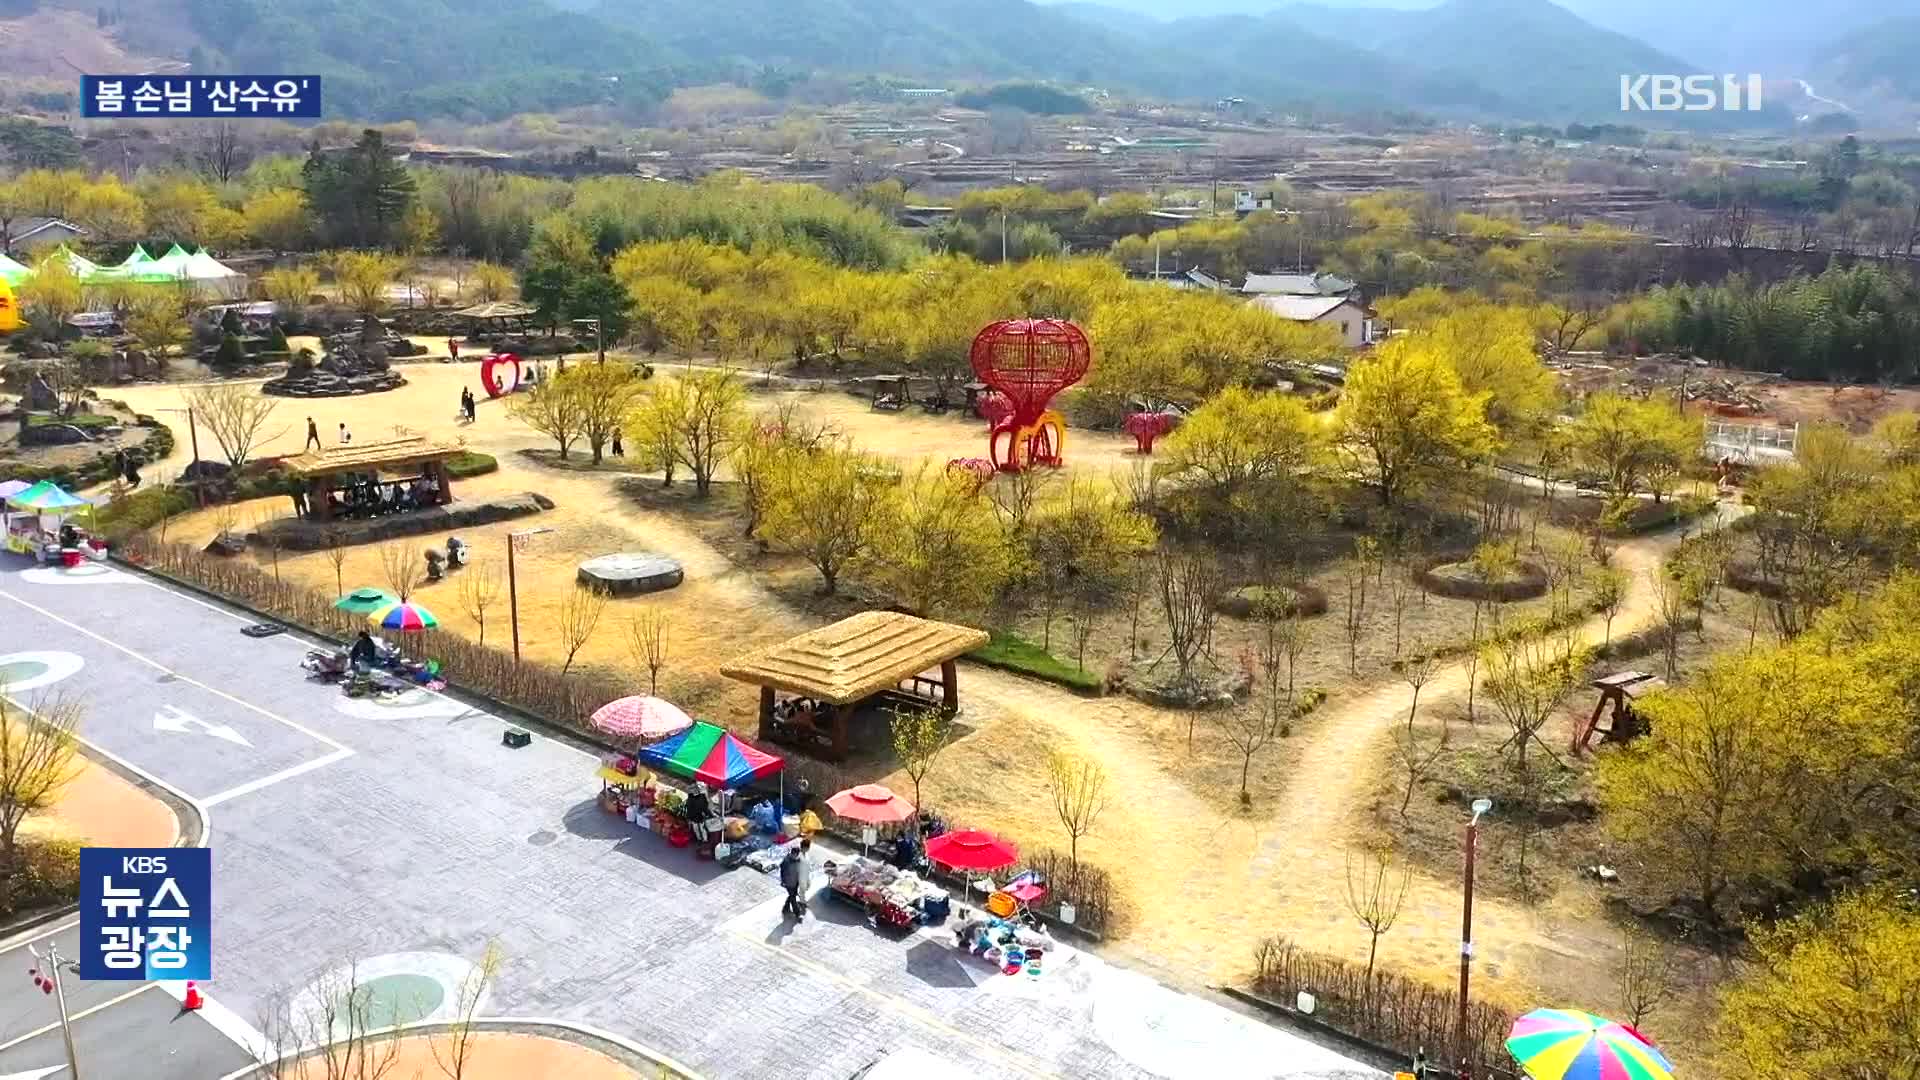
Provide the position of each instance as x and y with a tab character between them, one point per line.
268	781
199	805
177	676
55	1026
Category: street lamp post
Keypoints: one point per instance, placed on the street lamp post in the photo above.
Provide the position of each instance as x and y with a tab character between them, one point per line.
52	961
513	592
1480	806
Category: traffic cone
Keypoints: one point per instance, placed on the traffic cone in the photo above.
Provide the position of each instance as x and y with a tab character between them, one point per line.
194	1000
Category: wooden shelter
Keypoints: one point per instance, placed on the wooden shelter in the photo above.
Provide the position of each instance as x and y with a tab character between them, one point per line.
497	317
1620	689
341	478
831	672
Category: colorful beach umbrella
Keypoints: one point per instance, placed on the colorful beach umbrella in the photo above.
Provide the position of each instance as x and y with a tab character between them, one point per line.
708	753
407	618
366	601
641	718
10	488
971	849
1566	1044
46	497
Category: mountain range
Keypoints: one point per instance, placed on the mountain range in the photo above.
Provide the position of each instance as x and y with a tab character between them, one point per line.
479	59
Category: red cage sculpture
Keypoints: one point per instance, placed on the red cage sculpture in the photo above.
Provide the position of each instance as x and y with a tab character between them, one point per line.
500	374
1029	361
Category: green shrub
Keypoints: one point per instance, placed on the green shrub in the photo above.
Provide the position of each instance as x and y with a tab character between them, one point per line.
139	510
48	875
231	352
1009	651
469	463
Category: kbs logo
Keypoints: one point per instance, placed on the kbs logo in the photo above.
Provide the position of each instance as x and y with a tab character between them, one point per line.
1690	93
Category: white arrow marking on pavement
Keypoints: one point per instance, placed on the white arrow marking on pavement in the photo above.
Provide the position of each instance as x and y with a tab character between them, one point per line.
34	1074
171	718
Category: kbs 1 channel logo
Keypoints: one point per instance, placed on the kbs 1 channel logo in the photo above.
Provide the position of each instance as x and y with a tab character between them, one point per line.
228	97
146	913
1690	93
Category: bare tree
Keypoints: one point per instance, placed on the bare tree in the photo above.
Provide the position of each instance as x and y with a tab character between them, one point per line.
336	553
1079	788
479	590
1417	758
647	643
1400	586
1190	585
1282	638
221	157
1375	894
236	414
37	751
1357	573
1527	679
453	1048
338	1019
1648	975
267	537
580	613
400	569
1249	731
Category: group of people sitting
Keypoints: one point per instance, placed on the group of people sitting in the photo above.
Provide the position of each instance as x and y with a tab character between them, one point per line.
797	710
368	496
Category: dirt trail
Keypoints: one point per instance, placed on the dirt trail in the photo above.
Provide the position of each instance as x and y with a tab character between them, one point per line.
1203	886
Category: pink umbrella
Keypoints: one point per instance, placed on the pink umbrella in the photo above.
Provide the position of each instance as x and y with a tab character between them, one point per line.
872	804
641	718
971	849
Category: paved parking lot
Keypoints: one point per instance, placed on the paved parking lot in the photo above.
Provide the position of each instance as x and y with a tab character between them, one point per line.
120	1029
401	837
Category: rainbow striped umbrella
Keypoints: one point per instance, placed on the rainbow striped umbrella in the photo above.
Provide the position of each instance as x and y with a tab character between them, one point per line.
1566	1044
408	618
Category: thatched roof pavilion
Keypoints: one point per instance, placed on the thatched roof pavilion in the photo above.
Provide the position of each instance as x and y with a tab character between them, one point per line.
834	670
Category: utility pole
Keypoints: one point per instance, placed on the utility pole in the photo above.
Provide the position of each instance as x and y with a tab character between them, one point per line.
1480	806
50	983
1003	236
513	591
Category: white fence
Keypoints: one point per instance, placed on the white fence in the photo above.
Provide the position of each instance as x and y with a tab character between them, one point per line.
1750	444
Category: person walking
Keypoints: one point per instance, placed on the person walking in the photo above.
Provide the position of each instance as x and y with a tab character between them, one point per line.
790	880
453	350
313	434
346	437
618	450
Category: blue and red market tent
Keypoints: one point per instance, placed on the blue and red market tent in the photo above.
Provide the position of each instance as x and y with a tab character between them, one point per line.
707	752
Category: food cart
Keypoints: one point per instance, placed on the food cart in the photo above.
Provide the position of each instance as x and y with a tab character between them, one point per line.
35	517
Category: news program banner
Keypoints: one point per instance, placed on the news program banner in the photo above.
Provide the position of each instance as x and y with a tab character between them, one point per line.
284	97
146	913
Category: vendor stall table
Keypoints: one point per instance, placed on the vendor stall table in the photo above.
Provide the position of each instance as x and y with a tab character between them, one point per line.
899	898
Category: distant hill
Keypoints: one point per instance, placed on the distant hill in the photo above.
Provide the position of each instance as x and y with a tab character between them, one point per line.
1526	60
1736	36
391	59
1883	57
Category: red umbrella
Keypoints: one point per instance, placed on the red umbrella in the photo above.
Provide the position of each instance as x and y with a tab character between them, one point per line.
872	804
971	849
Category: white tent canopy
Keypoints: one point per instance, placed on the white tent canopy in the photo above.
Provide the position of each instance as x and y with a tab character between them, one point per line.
201	266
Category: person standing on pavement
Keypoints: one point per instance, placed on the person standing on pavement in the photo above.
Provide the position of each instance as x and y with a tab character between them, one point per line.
313	434
698	810
790	879
453	350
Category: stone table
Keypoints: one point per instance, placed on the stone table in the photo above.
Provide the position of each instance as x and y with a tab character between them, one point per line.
631	573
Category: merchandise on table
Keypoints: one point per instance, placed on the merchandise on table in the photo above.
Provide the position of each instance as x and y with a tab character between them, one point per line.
898	897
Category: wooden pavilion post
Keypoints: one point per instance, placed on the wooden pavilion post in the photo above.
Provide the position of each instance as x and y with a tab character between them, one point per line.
319	508
766	712
839	714
950	687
